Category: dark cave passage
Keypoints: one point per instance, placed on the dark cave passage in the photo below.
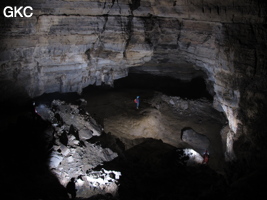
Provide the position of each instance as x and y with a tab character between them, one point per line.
147	164
27	157
199	68
144	83
194	89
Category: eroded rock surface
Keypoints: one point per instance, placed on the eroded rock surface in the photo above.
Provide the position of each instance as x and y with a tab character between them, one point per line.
198	141
73	156
152	169
68	45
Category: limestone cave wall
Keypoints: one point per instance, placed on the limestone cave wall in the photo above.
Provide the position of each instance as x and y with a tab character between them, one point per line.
69	44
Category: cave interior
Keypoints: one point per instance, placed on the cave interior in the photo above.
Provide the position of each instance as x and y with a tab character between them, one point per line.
151	168
198	67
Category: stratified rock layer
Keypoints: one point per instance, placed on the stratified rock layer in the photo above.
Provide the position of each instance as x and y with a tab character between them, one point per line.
68	45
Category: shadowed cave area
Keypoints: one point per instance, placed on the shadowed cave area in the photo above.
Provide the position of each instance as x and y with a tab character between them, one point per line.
152	166
193	89
69	76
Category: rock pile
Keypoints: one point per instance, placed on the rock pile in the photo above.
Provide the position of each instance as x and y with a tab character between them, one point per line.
72	155
186	106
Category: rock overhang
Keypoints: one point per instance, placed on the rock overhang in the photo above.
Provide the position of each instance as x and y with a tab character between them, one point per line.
49	52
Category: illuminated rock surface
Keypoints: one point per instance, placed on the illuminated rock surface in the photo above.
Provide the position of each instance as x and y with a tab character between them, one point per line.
68	45
73	156
198	141
149	169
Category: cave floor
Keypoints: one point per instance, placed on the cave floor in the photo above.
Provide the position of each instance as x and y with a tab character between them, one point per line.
115	110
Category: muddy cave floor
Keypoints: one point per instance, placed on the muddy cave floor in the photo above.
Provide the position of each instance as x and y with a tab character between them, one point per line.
150	170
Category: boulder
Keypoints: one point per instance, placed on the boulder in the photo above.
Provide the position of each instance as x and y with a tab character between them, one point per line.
74	156
197	141
85	134
55	159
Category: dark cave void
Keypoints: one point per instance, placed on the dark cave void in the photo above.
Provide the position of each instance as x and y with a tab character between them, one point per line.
194	89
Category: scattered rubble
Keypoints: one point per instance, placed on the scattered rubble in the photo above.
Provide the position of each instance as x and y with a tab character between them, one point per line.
73	156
